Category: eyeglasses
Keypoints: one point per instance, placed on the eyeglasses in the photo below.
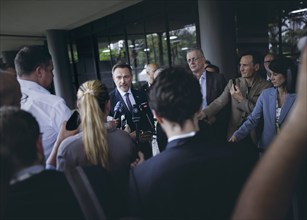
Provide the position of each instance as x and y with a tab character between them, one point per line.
193	59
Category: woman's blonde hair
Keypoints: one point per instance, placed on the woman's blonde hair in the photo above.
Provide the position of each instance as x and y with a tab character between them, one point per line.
92	98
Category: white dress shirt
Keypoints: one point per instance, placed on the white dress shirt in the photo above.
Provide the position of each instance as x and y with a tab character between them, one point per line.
203	86
49	110
131	98
180	136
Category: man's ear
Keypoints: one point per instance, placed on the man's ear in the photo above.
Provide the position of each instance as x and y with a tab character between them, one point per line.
257	67
39	71
158	117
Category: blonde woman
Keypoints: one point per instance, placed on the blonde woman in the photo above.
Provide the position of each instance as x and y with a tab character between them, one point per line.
97	143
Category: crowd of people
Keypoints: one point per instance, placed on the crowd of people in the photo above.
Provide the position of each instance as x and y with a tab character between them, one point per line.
183	146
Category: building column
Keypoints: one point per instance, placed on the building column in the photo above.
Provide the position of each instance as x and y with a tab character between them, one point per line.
57	44
217	34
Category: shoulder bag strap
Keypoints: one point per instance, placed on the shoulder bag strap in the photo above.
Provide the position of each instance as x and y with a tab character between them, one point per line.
84	193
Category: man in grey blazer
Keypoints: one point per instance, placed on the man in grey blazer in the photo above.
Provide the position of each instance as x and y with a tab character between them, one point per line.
242	94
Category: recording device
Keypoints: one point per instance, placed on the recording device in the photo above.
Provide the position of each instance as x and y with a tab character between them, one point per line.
73	122
234	84
136	119
123	121
136	114
145	108
118	109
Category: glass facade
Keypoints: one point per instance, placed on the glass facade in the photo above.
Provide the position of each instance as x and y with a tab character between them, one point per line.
161	31
148	32
286	29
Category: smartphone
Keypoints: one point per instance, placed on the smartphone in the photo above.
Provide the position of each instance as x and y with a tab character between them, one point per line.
73	122
234	84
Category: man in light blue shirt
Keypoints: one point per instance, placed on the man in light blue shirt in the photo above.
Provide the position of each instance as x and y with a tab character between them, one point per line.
34	68
212	86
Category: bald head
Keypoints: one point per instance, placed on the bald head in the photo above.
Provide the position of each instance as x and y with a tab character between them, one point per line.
150	70
10	93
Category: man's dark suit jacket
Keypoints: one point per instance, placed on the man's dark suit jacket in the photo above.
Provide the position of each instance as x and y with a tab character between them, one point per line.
145	88
139	98
215	85
189	180
146	116
46	195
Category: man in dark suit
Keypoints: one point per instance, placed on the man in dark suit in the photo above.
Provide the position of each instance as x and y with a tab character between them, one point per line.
34	193
132	100
10	95
39	193
190	179
212	86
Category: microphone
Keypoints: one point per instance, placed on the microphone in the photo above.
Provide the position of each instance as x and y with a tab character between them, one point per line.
136	114
118	109
136	119
144	108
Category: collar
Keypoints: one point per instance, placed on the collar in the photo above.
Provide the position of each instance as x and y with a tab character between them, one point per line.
123	93
180	136
203	76
255	81
183	140
31	85
26	173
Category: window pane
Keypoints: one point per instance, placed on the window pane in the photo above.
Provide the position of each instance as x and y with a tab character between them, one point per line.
138	54
105	64
181	40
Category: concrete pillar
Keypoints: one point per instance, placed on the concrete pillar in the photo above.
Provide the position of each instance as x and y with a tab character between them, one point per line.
217	34
57	44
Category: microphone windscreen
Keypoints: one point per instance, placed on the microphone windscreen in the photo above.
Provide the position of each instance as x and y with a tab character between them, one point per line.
117	106
118	109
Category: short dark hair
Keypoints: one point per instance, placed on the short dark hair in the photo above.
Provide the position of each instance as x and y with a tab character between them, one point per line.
175	95
30	57
19	132
121	65
256	58
286	67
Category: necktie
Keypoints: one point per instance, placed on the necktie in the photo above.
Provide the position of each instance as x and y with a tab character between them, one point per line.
128	102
